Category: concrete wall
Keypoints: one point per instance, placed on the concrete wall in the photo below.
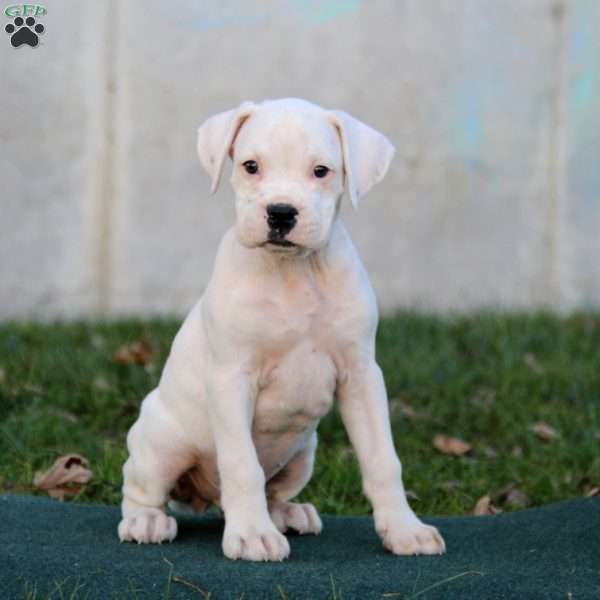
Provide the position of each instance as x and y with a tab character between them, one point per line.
493	199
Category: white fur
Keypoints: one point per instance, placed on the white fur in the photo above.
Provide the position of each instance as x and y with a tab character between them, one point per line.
278	333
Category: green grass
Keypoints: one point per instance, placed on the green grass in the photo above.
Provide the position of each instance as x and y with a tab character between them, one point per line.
484	378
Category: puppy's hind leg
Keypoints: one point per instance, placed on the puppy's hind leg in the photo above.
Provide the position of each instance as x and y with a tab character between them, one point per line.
157	457
288	483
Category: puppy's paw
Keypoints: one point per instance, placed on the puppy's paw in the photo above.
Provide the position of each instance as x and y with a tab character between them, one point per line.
148	526
304	518
403	533
254	542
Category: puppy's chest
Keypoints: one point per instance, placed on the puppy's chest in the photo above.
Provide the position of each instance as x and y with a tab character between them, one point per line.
295	389
293	313
296	353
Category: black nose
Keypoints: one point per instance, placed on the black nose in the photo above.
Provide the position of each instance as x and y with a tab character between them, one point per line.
281	217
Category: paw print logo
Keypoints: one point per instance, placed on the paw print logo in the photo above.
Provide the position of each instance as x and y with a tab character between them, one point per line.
24	32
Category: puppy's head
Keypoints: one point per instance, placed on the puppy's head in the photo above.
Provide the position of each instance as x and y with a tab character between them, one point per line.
292	161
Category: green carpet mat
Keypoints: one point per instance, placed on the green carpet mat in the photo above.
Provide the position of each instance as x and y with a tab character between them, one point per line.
71	551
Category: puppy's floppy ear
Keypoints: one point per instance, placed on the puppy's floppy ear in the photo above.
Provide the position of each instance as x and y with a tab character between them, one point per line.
215	139
367	154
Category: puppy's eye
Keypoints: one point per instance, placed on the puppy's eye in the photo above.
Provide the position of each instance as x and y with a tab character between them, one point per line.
251	167
320	171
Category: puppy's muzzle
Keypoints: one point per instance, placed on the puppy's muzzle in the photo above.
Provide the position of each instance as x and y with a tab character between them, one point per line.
281	219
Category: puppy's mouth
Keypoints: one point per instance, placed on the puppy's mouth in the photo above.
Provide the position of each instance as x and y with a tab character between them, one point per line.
277	238
283	247
282	243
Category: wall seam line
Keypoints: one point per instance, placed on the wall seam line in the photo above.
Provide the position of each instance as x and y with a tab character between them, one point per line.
557	162
107	167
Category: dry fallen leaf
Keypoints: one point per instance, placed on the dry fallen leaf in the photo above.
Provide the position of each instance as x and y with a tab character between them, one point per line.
484	506
544	431
500	494
138	353
451	445
66	476
589	487
510	496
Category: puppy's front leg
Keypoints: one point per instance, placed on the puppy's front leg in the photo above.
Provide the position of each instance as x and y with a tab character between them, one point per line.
364	409
249	531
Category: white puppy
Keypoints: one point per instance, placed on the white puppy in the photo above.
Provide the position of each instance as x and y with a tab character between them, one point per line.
286	324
